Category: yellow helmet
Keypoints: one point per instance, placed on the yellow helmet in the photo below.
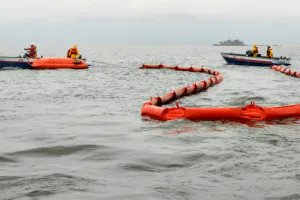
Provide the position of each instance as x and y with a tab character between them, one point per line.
75	46
254	45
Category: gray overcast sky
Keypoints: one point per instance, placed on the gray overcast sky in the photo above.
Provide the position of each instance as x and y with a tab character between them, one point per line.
274	20
15	10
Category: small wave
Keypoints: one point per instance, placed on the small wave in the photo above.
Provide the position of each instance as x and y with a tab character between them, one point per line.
109	154
6	159
139	167
182	130
172	124
287	197
154	165
242	101
198	157
56	150
8	178
39	193
274	139
297	176
177	192
10	68
289	121
44	185
163	163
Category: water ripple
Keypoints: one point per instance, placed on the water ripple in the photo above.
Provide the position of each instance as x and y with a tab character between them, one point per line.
56	150
6	159
44	185
78	134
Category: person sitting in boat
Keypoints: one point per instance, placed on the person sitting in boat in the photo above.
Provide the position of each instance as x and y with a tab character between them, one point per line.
73	52
32	51
254	50
269	52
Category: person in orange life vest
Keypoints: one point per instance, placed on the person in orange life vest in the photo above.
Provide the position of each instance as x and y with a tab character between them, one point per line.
32	51
254	50
73	52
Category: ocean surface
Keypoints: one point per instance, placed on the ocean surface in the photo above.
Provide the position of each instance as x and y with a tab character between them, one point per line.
78	134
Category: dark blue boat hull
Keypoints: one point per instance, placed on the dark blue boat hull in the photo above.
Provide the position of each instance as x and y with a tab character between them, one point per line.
22	65
237	62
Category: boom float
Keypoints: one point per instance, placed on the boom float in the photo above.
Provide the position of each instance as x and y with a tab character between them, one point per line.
250	112
286	71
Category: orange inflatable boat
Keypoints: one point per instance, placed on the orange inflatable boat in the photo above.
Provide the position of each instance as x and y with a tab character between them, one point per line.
286	71
58	63
250	112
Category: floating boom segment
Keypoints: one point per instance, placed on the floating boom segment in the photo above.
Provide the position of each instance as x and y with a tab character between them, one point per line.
249	112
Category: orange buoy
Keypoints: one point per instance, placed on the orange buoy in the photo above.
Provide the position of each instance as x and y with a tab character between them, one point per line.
286	71
59	63
250	112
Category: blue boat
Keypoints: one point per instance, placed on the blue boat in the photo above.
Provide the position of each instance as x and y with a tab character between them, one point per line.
248	60
19	62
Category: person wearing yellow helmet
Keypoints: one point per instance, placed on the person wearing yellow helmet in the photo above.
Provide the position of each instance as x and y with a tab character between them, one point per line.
73	52
269	52
254	50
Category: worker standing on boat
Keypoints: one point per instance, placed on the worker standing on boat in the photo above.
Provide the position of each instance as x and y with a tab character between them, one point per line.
255	50
73	52
32	51
269	52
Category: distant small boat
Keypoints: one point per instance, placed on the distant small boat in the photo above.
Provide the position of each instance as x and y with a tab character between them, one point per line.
242	59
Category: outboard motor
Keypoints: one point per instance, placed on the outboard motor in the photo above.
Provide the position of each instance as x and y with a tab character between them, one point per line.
81	58
249	53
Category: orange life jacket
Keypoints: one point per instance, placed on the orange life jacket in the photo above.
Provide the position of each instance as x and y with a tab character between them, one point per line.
32	52
73	51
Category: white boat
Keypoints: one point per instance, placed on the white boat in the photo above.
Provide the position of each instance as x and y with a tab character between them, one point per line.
247	59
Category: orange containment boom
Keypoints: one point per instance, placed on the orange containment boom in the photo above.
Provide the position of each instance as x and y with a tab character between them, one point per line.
250	112
59	63
286	71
